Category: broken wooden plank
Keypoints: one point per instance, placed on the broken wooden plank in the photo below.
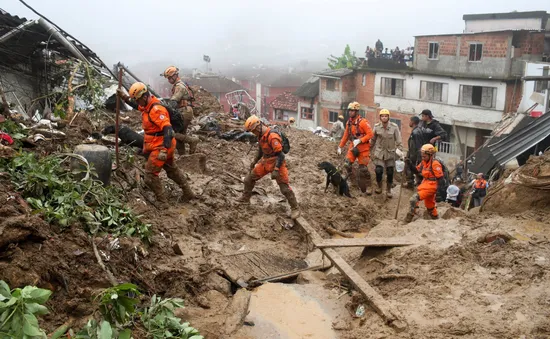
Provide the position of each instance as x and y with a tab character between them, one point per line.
284	276
364	242
237	310
389	313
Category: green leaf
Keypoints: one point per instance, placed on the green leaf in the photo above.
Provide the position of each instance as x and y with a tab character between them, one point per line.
4	290
37	309
30	326
40	295
196	337
125	334
106	332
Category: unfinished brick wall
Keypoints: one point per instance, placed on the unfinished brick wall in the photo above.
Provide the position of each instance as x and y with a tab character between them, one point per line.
365	94
514	94
447	44
495	44
529	42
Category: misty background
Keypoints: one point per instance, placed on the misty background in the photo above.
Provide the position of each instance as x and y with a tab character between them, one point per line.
246	34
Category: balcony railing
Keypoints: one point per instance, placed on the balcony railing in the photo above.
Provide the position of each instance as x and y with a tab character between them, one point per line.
447	147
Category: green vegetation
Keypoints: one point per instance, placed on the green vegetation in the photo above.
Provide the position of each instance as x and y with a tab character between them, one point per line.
347	60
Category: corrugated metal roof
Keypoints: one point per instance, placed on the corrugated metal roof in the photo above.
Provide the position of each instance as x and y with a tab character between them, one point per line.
521	140
310	89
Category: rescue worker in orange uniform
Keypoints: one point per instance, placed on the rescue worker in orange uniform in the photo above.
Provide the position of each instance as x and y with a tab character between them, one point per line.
159	143
480	190
181	100
359	133
432	174
269	159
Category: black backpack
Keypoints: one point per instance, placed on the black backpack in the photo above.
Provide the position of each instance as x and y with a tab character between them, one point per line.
441	194
176	119
286	142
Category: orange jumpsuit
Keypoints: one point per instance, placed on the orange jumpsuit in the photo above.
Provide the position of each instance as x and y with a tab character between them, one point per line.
270	144
358	128
153	119
431	171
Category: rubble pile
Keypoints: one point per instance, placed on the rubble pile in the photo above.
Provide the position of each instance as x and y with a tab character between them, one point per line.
205	102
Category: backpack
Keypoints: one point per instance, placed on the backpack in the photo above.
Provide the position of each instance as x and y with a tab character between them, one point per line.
284	138
176	119
441	193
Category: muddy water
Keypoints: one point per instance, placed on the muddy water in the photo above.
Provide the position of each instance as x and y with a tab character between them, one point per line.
282	311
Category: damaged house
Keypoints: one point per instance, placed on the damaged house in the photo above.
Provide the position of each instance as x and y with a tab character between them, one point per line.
37	58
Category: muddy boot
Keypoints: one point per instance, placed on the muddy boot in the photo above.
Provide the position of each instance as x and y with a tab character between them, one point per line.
179	178
369	186
364	180
432	213
388	191
378	189
155	184
409	217
193	142
291	198
247	192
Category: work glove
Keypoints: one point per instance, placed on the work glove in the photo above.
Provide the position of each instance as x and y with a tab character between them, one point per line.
339	150
275	174
122	95
162	155
356	142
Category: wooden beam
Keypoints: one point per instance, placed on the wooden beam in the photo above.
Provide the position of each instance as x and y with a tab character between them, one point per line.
364	242
390	315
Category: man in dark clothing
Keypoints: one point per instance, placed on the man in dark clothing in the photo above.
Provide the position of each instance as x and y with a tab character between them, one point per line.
416	140
431	128
459	170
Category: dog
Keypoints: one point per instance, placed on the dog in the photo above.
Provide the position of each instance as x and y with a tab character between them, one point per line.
335	178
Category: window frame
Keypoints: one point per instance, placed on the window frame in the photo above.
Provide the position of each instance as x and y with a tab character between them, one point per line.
384	87
330	113
483	89
333	85
306	113
475	51
397	122
435	43
364	80
444	92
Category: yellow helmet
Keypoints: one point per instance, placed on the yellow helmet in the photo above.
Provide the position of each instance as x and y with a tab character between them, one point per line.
384	112
170	71
341	117
291	119
428	149
355	106
137	90
251	123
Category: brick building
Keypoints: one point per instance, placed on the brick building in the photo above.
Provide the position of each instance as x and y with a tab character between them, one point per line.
308	104
285	106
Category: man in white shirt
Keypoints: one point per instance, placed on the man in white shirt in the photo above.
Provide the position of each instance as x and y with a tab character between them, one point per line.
452	195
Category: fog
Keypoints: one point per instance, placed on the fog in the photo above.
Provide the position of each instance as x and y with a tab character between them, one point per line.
245	33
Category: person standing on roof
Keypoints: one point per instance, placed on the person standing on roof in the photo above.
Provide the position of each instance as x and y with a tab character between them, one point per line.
358	133
181	100
270	158
337	130
388	147
431	128
159	143
432	174
480	186
413	158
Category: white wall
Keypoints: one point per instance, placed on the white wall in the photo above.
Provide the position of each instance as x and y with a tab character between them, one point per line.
306	123
502	24
445	112
259	98
533	69
20	87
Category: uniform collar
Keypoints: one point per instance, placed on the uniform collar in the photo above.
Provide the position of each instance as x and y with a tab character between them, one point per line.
152	100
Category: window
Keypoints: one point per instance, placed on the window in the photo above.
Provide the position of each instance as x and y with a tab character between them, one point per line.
364	80
331	85
475	52
397	122
332	116
541	86
307	113
433	53
478	96
433	91
392	87
362	113
281	115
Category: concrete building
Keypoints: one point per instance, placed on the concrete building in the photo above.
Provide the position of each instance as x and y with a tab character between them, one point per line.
308	104
285	106
535	20
336	91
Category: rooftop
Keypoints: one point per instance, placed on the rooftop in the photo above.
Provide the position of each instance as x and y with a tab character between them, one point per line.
484	32
290	80
310	89
334	73
215	84
286	101
509	15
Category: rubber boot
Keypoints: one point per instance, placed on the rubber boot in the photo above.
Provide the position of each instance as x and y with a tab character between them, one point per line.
178	177
409	217
369	186
431	213
247	192
155	184
378	189
388	190
291	198
193	142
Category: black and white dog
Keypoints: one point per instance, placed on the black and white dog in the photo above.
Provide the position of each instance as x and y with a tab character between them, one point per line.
335	178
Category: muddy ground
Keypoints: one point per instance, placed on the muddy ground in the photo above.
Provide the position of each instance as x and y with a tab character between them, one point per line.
451	286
